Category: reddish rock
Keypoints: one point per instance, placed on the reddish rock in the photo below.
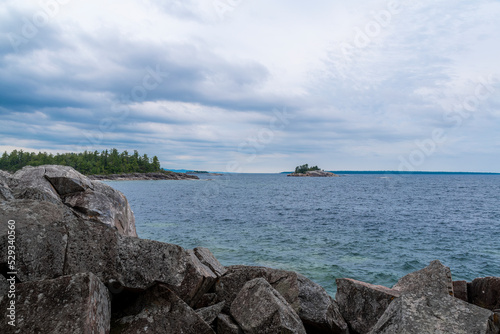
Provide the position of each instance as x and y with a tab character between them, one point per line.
460	290
485	292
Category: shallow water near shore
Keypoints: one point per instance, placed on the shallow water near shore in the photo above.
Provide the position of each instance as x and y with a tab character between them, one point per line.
374	228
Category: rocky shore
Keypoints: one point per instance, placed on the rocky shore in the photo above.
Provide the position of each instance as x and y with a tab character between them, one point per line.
80	268
314	173
144	176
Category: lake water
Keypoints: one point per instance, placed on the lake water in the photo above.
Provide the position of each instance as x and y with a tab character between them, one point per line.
373	228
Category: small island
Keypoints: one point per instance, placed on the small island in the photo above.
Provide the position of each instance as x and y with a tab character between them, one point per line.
314	171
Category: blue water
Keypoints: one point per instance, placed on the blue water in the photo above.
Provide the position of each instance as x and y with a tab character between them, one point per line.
367	227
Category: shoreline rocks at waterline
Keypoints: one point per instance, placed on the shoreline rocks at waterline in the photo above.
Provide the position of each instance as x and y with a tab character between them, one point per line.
82	269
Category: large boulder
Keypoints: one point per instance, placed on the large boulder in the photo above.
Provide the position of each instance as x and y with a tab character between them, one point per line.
318	311
285	282
485	292
362	304
70	247
440	314
65	187
30	183
159	310
259	308
434	279
68	304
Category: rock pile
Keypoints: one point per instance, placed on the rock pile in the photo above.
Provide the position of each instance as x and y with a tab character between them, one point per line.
82	269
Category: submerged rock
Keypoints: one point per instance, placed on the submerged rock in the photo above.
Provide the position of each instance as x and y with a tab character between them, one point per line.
259	308
77	304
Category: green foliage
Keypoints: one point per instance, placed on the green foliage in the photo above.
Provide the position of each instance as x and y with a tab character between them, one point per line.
88	163
305	168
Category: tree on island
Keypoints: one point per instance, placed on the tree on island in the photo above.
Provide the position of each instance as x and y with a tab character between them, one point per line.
305	168
88	163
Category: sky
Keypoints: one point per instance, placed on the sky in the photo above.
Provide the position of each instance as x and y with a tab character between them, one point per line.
256	86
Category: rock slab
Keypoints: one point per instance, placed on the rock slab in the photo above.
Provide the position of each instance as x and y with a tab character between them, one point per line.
259	309
434	279
77	304
362	304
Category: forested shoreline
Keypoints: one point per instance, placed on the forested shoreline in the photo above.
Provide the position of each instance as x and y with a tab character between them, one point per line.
88	163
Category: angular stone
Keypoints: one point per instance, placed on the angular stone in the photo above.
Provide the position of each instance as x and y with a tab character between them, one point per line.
63	185
32	213
210	313
259	308
318	311
285	282
68	304
434	279
50	251
66	180
5	191
160	311
40	251
460	290
106	205
312	303
226	325
362	304
440	314
30	183
485	292
208	259
170	264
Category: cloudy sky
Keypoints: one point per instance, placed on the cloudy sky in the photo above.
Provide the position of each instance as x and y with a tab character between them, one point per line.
256	86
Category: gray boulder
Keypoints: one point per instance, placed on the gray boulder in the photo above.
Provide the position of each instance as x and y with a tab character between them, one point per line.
318	311
160	311
226	325
259	308
210	313
440	314
68	304
30	183
5	191
70	247
435	279
285	282
485	292
362	304
104	204
208	259
63	186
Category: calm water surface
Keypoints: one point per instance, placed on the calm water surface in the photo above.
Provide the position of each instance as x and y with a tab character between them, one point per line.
368	227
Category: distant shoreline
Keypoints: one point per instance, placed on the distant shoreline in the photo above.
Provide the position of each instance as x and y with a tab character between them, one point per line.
143	177
406	173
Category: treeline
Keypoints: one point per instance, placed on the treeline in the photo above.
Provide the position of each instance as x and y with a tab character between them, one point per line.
305	168
88	163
